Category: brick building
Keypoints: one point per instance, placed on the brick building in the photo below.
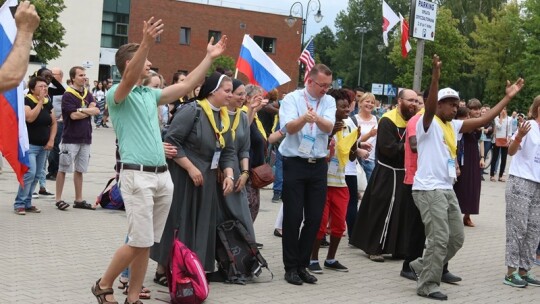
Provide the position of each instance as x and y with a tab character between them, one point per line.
188	26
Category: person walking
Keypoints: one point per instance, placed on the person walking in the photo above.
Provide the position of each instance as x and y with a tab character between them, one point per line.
503	132
522	197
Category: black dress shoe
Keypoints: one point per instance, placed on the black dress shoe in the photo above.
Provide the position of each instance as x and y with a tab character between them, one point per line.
437	295
450	278
408	275
277	233
306	276
292	278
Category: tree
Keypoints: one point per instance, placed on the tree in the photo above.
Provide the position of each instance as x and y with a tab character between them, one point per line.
48	38
531	57
449	44
223	61
499	50
324	42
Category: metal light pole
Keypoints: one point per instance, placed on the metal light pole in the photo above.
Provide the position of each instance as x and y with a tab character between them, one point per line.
362	31
297	10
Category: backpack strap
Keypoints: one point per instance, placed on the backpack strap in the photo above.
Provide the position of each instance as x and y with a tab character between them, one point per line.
257	269
234	274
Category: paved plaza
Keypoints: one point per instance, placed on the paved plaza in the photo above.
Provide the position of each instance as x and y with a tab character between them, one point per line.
55	256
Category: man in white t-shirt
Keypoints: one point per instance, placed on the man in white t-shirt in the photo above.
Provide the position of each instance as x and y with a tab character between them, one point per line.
436	134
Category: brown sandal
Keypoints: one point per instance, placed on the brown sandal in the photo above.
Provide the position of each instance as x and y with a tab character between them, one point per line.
144	294
101	294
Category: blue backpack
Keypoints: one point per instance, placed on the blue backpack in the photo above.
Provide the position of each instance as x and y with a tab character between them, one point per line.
111	197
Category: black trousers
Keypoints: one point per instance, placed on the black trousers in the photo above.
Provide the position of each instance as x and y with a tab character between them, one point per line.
54	156
304	196
352	207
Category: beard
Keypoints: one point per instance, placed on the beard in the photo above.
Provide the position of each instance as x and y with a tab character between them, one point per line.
407	112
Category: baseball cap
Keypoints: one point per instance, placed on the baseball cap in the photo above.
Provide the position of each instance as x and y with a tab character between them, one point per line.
447	93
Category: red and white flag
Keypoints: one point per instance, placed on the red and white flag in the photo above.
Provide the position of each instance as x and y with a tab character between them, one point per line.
308	58
405	45
390	19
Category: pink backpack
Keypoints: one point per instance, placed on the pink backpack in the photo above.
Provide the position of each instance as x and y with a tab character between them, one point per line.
186	276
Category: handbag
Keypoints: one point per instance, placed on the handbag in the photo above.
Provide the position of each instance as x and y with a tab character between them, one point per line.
501	142
261	176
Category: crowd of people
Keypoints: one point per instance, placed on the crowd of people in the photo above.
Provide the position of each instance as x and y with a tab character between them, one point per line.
185	154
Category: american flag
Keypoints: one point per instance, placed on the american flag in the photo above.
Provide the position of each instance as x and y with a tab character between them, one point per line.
307	58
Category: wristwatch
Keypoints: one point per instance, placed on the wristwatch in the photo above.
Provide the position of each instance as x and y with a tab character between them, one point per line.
79	110
231	177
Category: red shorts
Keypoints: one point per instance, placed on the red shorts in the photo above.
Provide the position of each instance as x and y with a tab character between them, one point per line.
337	200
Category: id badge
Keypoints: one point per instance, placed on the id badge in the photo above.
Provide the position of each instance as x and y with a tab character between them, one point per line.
215	159
452	168
306	145
333	166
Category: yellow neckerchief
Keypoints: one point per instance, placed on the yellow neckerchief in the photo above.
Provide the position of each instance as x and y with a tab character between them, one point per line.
257	122
225	121
396	118
449	136
343	146
235	123
33	98
274	124
78	95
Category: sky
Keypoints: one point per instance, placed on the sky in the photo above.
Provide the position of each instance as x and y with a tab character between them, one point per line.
329	9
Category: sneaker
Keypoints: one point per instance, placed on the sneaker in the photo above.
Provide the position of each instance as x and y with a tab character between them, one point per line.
335	266
515	280
20	211
259	245
33	209
324	243
44	191
531	279
315	268
276	198
35	195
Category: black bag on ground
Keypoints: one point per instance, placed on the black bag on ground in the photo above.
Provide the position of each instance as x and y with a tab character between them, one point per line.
238	257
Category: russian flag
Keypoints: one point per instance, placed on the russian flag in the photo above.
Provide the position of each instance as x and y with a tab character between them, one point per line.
13	135
258	67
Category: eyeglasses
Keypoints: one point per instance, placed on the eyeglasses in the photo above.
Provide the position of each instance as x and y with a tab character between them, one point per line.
411	100
324	86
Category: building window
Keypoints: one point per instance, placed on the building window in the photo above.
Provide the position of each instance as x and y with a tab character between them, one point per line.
185	35
121	29
215	34
267	44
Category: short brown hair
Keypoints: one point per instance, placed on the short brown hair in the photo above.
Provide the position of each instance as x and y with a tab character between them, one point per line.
125	53
474	104
320	68
73	71
534	107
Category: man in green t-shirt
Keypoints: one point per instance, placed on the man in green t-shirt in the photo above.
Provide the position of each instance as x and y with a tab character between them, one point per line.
145	182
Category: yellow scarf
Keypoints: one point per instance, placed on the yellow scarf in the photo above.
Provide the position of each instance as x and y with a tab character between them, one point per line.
449	136
33	98
78	95
258	123
225	121
235	124
274	124
343	145
396	118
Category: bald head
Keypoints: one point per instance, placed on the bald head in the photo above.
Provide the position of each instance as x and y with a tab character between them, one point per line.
57	74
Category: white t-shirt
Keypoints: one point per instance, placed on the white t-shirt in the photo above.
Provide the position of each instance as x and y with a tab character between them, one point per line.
350	167
526	161
366	126
433	157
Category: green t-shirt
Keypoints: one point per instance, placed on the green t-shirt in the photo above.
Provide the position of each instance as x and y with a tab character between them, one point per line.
136	124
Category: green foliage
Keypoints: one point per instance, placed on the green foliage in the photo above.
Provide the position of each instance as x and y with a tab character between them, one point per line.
530	60
498	46
449	44
324	42
48	38
225	62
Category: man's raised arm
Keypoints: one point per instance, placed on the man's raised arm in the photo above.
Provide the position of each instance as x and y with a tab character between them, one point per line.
175	91
135	66
13	69
431	103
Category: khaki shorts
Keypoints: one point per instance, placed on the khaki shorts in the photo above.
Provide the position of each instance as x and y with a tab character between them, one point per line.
147	198
74	155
